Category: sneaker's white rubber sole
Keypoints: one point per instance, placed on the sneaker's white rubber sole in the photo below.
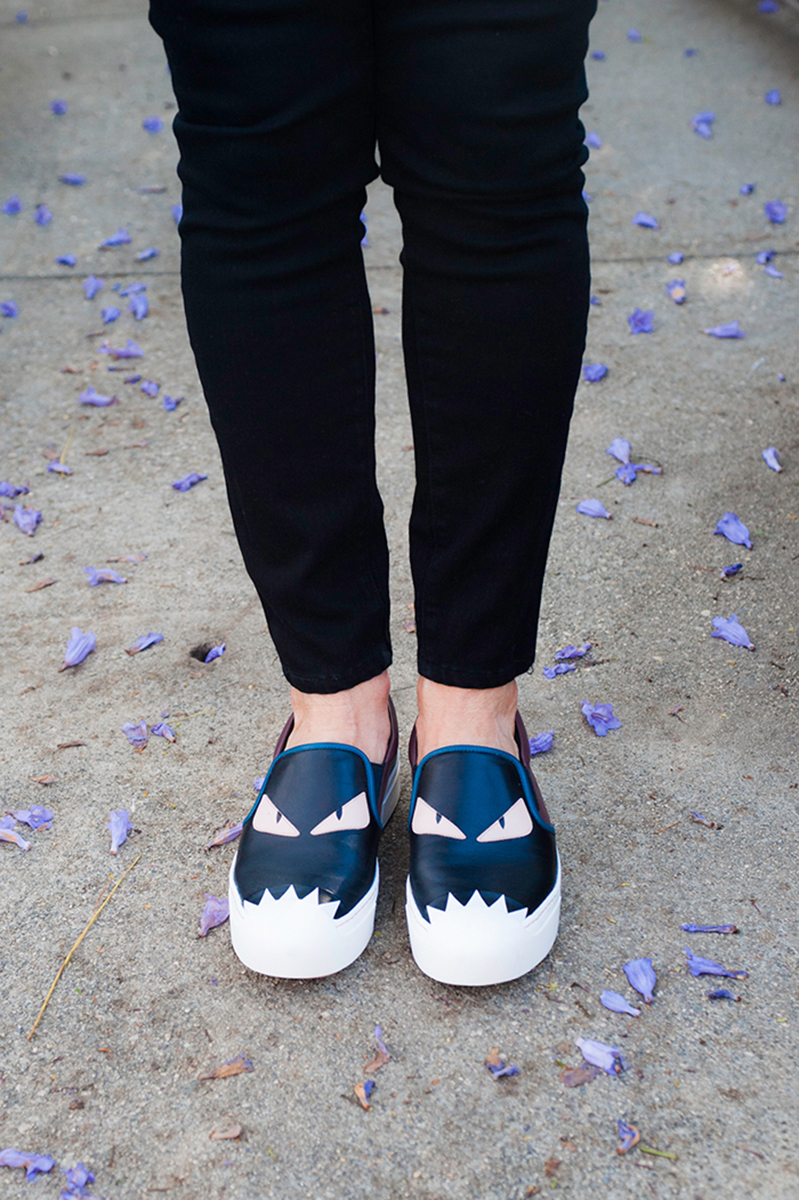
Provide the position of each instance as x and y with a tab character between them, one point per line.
299	939
476	945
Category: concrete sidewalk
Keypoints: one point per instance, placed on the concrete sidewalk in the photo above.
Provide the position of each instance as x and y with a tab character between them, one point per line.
145	1007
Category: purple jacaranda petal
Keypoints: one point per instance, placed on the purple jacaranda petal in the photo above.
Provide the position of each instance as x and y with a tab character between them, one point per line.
593	140
497	1067
628	1136
21	17
9	834
722	994
645	220
732	329
676	257
640	321
149	387
139	306
161	729
634	36
110	314
152	124
144	642
598	1054
641	976
691	928
188	481
65	260
593	372
731	631
170	403
381	1045
120	238
618	1004
36	816
734	530
58	468
598	55
776	212
11	492
700	820
731	570
702	123
131	350
705	966
223	836
78	1177
215	652
78	647
136	733
12	206
215	912
102	575
145	255
43	216
59	107
647	468
764	256
177	212
619	448
369	1086
771	457
9	309
676	289
746	189
26	519
781	377
259	782
92	285
559	669
120	826
542	743
72	179
586	196
572	652
91	396
34	1164
626	473
768	6
689	53
600	717
593	508
773	271
128	378
772	97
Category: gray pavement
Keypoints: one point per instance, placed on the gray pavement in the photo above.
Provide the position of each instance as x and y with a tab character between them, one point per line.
145	1007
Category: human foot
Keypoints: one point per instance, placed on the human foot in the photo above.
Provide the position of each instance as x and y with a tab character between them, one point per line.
356	717
451	716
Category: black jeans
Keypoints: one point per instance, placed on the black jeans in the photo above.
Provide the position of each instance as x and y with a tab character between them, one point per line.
473	105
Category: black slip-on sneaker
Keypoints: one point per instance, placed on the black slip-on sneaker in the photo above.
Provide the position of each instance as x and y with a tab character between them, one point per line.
483	892
304	881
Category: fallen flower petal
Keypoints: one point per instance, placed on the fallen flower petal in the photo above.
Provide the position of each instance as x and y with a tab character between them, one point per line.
139	306
72	179
78	647
600	717
731	631
93	397
598	55
593	372
145	255
34	1164
572	652
542	743
362	1093
616	1003
59	107
731	330
58	468
691	928
560	669
640	321
131	350
103	575
593	140
9	309
598	1054
775	211
381	1057
45	780
577	1076
734	530
120	238
645	220
110	314
9	834
161	729
676	289
78	1178
177	212
150	388
214	652
136	733
722	994
36	816
188	481
772	97
235	1066
628	1136
223	836
746	189
626	473
215	912
152	124
120	826
771	457
43	215
732	569
497	1067
641	976
12	206
92	285
144	642
66	260
620	448
765	256
593	508
705	966
676	257
26	519
772	271
700	820
170	403
11	492
634	36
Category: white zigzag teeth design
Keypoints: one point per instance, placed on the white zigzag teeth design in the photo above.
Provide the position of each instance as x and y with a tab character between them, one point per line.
303	912
476	918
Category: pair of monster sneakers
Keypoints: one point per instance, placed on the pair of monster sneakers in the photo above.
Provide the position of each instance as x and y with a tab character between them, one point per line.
483	889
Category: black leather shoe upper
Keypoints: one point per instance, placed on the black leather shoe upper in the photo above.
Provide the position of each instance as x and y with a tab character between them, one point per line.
476	825
308	798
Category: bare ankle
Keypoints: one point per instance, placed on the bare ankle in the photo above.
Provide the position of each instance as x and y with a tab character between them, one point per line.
465	716
356	716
